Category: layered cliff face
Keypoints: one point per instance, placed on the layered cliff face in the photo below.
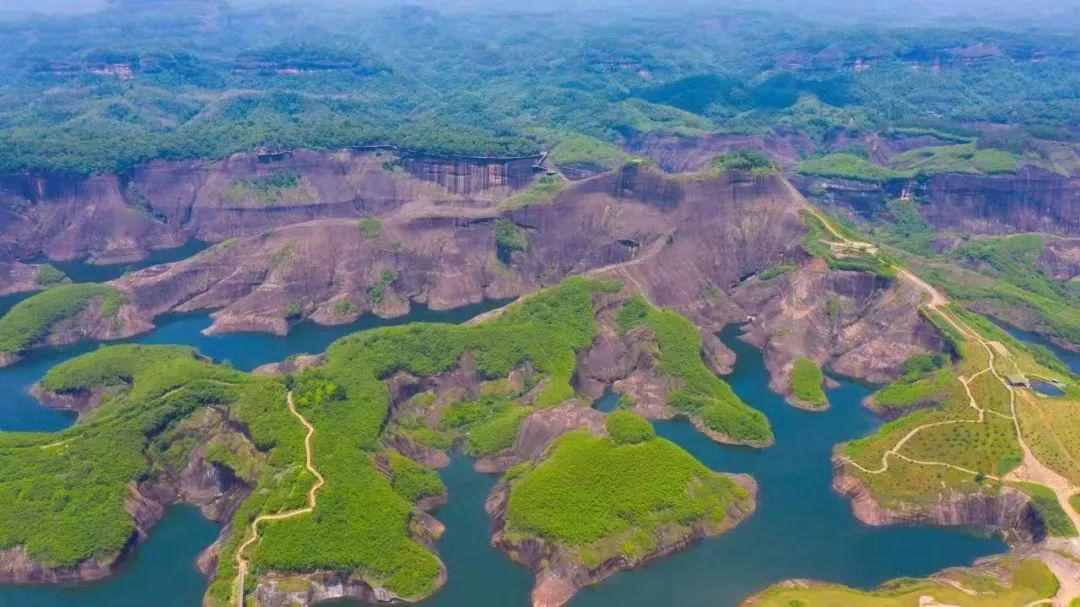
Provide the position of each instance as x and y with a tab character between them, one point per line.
1007	509
683	235
1061	259
679	154
1032	200
161	204
18	277
856	324
688	242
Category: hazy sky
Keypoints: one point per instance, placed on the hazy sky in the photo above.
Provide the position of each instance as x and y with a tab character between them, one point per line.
998	12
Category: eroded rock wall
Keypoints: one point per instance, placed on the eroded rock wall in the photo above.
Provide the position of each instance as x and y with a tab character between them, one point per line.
119	218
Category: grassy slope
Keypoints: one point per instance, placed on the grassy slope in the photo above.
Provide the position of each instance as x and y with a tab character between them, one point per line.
29	321
806	381
989	448
601	497
699	392
64	493
1031	581
961	158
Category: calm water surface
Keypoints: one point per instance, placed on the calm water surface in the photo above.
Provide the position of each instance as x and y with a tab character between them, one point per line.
84	271
801	528
1070	358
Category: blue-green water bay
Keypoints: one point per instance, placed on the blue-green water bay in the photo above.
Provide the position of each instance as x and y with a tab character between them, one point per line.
160	573
1070	358
801	528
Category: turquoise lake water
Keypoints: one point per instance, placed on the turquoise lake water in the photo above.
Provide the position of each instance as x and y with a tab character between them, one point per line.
1070	358
801	528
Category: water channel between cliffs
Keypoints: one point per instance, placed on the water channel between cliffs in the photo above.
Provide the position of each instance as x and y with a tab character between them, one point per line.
801	528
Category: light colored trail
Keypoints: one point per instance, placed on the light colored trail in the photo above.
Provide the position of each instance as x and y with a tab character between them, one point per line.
618	269
1031	469
241	562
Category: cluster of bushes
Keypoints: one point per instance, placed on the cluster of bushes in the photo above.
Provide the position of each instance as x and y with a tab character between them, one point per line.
700	393
806	382
64	494
604	498
743	160
509	237
30	320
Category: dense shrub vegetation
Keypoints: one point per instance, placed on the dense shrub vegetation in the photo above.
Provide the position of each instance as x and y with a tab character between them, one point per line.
743	160
626	428
594	489
107	91
30	320
806	381
64	494
699	393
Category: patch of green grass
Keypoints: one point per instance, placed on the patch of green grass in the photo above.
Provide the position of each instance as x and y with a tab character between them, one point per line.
806	382
1058	523
47	276
626	428
1074	501
509	237
489	424
344	307
906	393
370	228
377	291
577	149
848	166
541	191
279	187
776	271
592	489
695	390
961	158
497	433
411	480
30	320
743	160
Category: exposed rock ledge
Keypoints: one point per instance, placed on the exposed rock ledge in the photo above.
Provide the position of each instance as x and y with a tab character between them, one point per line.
1009	511
79	402
17	277
559	576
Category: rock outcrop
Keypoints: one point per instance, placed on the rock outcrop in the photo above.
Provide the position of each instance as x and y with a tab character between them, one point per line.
688	242
119	218
856	324
1031	200
1007	510
539	430
16	277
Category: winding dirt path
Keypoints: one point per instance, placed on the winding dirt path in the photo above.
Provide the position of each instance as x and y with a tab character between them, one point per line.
620	269
241	562
1031	469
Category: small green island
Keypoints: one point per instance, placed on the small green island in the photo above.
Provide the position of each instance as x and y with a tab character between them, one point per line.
598	504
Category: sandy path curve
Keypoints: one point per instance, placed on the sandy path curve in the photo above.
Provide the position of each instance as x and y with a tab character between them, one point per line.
241	562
